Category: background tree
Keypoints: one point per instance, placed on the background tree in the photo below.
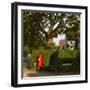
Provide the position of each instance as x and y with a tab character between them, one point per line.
40	27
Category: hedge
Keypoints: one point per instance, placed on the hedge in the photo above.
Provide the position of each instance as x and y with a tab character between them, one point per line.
64	55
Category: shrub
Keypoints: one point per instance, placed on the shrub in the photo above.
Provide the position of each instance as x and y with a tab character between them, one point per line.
64	55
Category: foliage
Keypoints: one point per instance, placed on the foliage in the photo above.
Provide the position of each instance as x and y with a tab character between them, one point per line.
51	46
64	55
35	24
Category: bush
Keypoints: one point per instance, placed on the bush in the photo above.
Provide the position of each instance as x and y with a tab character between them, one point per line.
51	46
64	55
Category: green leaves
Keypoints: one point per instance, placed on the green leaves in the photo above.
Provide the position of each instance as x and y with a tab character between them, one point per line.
39	26
63	55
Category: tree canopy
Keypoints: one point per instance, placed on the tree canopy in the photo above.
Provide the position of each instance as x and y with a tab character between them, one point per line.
40	26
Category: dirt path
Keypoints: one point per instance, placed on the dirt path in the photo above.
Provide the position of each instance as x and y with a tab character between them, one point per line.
27	72
32	73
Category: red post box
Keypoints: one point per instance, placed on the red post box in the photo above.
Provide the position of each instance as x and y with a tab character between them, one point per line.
39	61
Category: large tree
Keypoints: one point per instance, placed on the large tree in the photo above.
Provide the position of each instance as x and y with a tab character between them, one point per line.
40	27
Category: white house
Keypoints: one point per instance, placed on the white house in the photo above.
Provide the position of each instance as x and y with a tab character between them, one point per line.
59	39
